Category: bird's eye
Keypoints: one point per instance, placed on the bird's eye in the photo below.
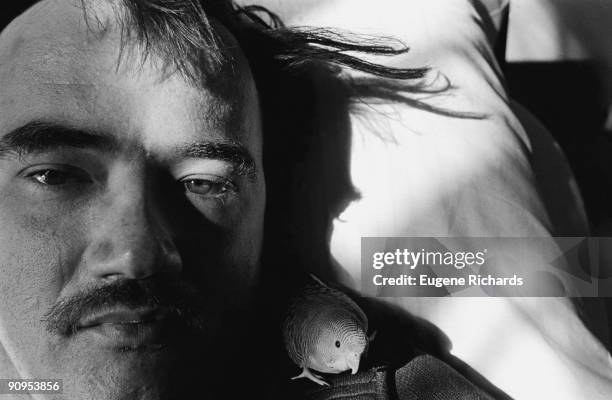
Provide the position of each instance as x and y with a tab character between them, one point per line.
338	343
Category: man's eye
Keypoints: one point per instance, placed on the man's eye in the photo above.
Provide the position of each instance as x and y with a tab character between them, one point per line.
57	177
205	187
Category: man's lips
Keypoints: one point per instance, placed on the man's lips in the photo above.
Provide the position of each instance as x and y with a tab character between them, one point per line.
123	317
129	328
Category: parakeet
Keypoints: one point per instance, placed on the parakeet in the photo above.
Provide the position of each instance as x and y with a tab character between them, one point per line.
324	330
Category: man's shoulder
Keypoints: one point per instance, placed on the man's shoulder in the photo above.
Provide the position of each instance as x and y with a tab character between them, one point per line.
424	377
427	377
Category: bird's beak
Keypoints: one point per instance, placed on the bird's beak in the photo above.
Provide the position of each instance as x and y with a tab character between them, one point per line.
353	363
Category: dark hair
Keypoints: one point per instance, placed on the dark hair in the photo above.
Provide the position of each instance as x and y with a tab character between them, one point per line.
180	32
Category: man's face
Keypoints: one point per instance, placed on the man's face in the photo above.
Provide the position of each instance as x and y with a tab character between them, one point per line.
131	209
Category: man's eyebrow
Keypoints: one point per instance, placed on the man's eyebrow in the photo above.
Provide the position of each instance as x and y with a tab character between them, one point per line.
40	136
230	151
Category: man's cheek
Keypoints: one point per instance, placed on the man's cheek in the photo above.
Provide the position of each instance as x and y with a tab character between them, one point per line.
31	280
35	262
248	229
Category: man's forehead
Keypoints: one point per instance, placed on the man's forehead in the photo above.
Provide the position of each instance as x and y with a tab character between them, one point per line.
67	34
54	25
53	61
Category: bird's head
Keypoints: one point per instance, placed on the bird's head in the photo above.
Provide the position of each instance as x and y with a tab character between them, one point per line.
341	346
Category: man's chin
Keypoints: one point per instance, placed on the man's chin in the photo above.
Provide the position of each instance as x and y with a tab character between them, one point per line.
142	372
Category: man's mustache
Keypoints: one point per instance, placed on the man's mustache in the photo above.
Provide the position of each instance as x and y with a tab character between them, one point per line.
180	300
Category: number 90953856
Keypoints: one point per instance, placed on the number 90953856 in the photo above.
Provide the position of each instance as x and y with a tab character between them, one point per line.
31	386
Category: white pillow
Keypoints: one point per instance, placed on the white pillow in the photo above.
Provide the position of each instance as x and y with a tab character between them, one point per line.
460	177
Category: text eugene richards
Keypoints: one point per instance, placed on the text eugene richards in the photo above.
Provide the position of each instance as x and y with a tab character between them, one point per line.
458	260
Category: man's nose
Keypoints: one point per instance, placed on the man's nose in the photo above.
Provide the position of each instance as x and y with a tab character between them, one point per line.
129	240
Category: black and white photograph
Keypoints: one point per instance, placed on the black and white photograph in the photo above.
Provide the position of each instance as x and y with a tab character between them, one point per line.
306	199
